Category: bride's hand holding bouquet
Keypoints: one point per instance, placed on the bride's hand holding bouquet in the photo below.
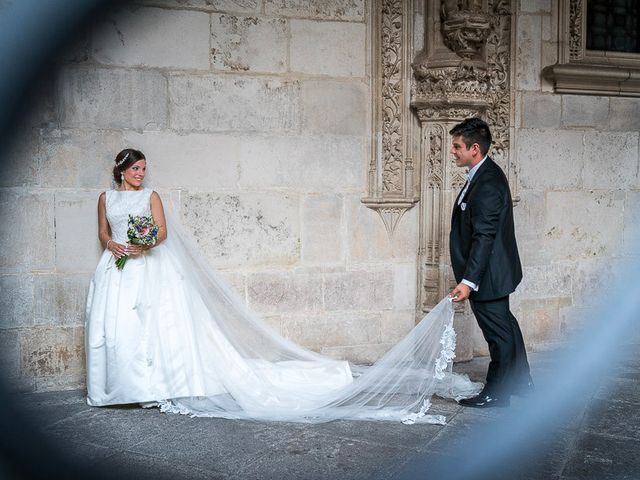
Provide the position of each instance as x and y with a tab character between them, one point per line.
142	234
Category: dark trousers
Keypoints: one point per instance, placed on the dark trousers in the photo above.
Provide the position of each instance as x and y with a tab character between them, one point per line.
509	367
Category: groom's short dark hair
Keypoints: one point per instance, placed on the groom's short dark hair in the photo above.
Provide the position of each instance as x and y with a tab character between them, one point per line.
473	130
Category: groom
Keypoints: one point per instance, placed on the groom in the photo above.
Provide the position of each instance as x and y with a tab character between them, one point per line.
485	262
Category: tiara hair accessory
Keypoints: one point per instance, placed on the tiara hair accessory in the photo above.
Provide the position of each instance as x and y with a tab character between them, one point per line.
124	159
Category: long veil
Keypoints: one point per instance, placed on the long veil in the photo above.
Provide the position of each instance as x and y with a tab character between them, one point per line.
245	370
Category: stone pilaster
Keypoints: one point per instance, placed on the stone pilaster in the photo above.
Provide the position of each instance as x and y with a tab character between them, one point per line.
463	71
390	188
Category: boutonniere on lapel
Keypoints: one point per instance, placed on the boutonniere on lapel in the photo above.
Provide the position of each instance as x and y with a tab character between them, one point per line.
463	205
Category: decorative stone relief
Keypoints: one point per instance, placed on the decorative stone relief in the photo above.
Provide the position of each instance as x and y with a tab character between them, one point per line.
575	30
464	27
392	89
464	71
465	81
390	180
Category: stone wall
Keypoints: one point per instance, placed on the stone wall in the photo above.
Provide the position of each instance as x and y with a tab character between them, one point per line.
254	117
577	160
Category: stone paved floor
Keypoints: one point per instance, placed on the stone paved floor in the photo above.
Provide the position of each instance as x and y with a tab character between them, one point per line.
600	440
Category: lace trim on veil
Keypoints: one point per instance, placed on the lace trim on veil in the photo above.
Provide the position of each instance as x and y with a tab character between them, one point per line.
447	354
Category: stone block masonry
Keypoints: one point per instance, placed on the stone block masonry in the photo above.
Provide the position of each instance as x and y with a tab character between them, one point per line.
147	37
249	43
254	117
578	164
112	98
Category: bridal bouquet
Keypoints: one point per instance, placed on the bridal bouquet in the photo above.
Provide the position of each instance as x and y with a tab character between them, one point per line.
142	231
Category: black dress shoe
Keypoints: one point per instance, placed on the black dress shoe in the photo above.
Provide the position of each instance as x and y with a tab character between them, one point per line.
485	400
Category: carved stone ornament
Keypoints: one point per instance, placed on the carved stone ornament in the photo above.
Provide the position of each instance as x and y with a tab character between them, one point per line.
466	28
576	36
390	177
447	113
456	79
465	81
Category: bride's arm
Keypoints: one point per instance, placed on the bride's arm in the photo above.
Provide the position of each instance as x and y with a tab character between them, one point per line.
157	212
104	231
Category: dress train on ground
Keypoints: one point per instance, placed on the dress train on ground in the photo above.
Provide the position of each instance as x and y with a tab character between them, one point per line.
167	329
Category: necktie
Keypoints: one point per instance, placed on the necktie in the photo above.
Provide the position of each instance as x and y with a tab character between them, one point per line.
464	191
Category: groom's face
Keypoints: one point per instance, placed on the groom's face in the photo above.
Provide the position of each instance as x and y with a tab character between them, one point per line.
465	157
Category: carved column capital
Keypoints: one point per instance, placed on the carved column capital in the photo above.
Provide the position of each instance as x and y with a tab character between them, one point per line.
463	84
449	112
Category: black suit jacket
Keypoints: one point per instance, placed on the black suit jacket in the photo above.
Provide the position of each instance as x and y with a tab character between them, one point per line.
482	241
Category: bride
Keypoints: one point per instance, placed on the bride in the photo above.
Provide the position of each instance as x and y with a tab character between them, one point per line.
166	331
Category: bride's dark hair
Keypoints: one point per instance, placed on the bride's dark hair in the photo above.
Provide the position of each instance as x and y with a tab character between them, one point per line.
124	160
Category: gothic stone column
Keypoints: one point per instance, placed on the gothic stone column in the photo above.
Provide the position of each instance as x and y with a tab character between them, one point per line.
464	71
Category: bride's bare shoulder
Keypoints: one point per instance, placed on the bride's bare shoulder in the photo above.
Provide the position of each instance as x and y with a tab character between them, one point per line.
155	195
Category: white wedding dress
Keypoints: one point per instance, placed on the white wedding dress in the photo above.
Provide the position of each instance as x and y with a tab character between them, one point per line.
167	330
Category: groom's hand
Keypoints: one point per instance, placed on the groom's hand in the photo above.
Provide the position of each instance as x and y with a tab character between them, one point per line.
461	292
